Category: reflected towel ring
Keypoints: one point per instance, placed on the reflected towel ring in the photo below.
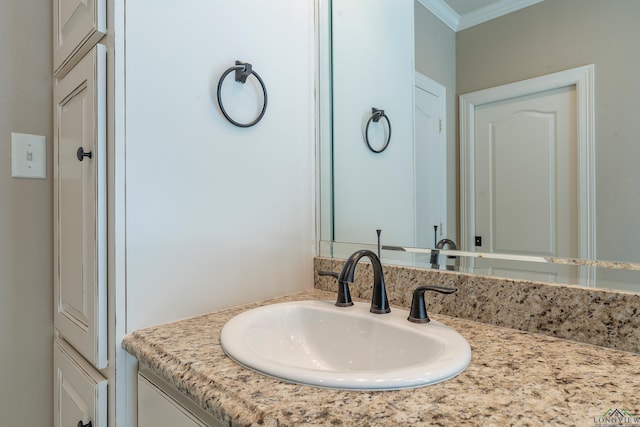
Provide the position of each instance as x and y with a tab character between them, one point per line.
243	70
376	115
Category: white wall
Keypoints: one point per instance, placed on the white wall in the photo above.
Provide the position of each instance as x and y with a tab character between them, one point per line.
26	325
217	215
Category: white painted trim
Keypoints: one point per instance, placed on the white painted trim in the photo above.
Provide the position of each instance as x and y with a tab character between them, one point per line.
583	78
458	22
324	146
492	11
424	82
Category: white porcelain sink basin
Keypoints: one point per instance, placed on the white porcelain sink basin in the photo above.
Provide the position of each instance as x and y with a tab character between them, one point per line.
317	343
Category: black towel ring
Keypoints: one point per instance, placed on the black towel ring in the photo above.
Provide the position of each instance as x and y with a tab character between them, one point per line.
243	70
376	115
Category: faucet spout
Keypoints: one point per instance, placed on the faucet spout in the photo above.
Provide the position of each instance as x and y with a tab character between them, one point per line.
379	300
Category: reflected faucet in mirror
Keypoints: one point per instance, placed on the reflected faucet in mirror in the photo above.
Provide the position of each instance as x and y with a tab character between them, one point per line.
443	244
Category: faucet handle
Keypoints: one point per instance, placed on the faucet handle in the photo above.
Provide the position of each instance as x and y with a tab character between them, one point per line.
418	313
333	274
344	296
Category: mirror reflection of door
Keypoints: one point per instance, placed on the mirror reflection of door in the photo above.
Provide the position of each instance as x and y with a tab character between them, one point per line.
430	161
526	174
531	138
527	140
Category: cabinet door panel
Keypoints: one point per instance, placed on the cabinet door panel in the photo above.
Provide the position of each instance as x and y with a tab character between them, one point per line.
80	207
80	392
77	26
156	409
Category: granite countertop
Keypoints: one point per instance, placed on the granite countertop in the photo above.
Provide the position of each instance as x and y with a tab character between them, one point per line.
515	378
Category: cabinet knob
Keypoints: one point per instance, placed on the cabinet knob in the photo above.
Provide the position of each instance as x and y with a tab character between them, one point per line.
81	154
81	424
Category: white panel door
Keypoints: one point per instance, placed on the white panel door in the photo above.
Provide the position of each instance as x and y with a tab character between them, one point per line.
80	392
80	207
526	175
77	26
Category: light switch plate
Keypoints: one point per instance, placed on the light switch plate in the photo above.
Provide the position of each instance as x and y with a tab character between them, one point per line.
28	156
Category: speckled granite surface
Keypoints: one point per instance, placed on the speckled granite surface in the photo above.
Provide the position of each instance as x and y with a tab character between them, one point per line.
514	378
594	316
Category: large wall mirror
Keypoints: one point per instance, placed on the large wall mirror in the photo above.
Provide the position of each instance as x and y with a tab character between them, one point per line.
394	154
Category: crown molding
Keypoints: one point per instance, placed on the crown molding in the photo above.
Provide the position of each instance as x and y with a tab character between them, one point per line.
492	11
443	12
460	22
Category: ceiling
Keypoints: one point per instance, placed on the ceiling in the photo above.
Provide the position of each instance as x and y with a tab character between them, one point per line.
462	14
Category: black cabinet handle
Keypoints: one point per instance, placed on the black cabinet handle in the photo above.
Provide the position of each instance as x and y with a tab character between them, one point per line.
81	154
81	424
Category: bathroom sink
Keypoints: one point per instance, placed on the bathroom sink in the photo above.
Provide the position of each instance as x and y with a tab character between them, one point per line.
319	344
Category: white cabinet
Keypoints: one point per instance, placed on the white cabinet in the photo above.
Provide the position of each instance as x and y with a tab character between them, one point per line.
156	409
80	392
161	405
77	26
80	288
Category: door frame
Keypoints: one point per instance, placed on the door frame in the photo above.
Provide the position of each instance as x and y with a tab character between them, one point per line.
583	78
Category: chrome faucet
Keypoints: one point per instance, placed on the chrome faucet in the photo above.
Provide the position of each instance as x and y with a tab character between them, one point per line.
379	301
